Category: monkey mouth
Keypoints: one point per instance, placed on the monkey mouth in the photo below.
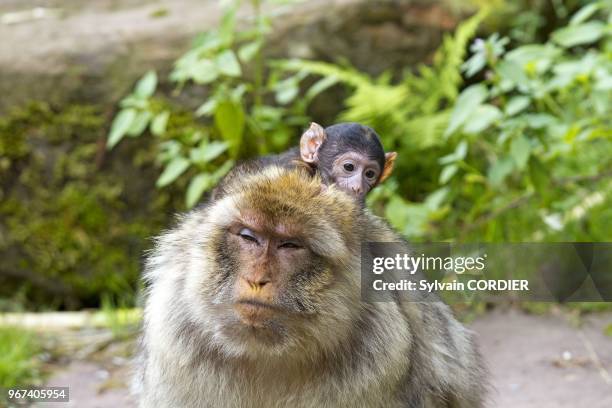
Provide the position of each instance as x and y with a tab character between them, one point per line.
257	303
254	312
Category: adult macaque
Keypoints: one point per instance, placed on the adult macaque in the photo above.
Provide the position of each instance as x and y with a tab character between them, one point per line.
254	300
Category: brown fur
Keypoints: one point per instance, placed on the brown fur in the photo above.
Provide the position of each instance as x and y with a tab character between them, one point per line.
338	351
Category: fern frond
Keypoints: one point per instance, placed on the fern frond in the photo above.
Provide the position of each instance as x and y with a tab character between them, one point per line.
347	75
370	99
439	83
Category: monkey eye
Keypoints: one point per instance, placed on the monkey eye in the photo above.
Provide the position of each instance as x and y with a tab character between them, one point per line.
248	235
289	245
370	174
349	166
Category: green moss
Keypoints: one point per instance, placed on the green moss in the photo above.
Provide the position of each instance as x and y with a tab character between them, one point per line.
70	228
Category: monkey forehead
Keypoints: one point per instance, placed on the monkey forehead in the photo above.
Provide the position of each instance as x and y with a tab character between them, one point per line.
294	193
358	157
285	227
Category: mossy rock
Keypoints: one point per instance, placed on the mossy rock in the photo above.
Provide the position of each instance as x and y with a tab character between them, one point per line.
71	230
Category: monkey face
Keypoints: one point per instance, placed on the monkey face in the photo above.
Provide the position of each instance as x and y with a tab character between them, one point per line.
355	173
279	265
275	281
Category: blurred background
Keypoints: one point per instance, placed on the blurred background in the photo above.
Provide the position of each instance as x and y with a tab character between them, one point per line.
117	114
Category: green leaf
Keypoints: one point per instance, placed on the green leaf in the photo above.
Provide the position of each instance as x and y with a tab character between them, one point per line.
204	72
213	150
436	198
320	86
411	219
513	72
139	124
132	101
447	173
204	43
466	103
540	177
222	171
146	85
207	152
584	13
520	149
197	186
238	92
159	123
228	25
461	150
228	64
173	170
540	56
249	50
229	119
169	150
287	93
500	170
474	64
120	126
573	35
207	108
517	104
538	120
482	118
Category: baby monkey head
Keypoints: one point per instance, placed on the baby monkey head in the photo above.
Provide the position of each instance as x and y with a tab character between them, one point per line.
282	249
349	155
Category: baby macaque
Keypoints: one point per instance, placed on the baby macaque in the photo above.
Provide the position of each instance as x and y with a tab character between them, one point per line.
349	155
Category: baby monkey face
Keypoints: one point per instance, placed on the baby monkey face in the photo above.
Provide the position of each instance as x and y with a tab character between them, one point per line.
355	173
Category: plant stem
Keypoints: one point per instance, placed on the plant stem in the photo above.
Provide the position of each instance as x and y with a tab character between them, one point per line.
259	69
257	86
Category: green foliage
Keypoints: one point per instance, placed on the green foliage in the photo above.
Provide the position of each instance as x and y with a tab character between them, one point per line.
247	106
518	153
411	117
523	153
530	21
538	133
18	363
69	229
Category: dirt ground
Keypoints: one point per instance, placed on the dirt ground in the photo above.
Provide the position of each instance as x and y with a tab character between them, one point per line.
545	362
535	362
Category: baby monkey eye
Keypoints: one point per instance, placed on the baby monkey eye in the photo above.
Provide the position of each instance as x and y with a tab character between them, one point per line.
248	235
349	166
370	174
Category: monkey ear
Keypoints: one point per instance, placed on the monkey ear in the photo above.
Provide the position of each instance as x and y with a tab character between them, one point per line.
389	162
311	141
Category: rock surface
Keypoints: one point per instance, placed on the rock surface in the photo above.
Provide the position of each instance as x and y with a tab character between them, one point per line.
69	50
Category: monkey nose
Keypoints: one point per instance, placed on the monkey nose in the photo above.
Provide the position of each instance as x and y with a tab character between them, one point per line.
257	284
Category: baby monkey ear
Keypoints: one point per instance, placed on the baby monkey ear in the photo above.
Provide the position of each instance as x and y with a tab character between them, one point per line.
311	141
389	162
